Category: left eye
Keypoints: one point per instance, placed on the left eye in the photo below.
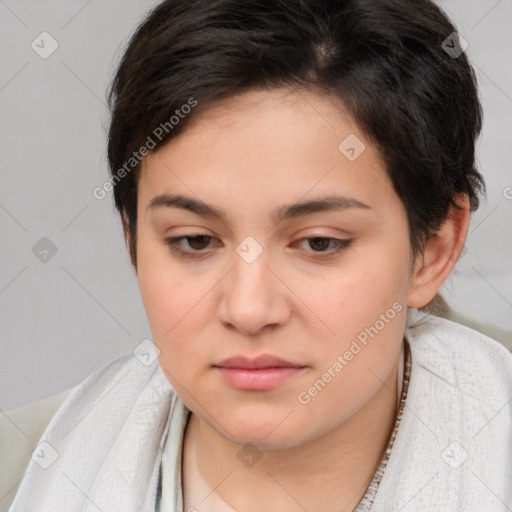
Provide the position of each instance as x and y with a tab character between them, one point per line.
321	243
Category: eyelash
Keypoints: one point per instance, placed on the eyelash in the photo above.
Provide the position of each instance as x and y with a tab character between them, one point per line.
173	242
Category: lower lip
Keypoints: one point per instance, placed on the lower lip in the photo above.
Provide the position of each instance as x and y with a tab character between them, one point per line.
257	379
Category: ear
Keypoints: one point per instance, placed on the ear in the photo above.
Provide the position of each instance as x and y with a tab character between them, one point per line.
440	255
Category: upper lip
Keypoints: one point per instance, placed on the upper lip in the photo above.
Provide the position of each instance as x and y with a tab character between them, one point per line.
263	361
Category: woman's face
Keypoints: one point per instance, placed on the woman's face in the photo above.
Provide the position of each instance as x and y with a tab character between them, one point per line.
322	287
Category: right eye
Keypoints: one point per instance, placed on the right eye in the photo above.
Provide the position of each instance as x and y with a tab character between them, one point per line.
197	242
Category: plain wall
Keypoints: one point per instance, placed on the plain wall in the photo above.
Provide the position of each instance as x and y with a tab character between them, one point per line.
66	317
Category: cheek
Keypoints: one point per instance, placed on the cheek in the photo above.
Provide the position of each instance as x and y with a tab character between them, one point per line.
369	326
366	308
169	294
174	314
382	273
178	304
354	297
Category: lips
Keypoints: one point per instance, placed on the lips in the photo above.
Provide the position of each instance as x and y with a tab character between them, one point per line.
263	361
257	374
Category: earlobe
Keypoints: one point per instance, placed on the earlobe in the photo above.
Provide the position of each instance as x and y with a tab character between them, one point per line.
440	255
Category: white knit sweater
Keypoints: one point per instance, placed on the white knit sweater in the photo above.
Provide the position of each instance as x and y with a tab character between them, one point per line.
103	448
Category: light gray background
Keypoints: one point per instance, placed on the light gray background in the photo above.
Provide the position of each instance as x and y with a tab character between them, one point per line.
63	319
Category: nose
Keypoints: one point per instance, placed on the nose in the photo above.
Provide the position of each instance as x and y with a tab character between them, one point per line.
253	297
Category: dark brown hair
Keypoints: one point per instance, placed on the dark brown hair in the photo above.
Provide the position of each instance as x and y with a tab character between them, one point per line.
385	60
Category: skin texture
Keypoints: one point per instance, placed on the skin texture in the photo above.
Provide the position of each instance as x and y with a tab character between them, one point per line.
249	155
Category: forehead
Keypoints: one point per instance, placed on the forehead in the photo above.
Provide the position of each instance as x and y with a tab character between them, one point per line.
279	144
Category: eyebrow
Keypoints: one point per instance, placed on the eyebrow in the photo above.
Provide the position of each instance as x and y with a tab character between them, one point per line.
279	214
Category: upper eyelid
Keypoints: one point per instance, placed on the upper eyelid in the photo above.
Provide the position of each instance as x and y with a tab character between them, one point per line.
175	240
194	235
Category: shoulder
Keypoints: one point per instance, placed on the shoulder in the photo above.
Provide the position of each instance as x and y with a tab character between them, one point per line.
455	431
21	429
462	357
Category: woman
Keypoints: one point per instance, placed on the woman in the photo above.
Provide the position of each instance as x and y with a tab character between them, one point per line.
295	181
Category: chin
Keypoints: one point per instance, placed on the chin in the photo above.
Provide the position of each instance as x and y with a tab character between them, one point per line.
263	431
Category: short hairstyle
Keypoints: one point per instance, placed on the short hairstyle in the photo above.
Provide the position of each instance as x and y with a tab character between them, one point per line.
384	60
